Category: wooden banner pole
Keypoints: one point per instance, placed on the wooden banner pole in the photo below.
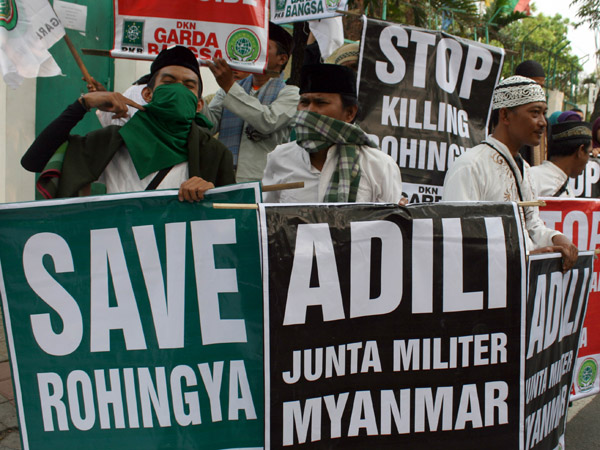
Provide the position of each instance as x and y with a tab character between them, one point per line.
86	75
532	203
283	186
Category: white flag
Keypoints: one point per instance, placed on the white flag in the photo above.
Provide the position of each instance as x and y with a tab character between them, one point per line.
329	33
28	28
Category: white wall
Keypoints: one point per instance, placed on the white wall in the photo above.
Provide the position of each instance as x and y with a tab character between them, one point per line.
17	132
555	101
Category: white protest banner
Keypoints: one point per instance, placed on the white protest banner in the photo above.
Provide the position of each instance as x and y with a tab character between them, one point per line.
235	31
28	28
285	11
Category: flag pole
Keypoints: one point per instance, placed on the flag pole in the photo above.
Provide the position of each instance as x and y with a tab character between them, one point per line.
86	75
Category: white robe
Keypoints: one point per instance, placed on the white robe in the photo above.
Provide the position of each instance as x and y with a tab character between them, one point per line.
481	174
548	179
120	175
380	179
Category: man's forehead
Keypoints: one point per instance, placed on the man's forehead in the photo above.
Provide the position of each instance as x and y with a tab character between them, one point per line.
319	95
534	105
178	71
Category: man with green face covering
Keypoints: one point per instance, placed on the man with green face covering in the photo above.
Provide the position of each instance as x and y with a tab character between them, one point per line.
161	147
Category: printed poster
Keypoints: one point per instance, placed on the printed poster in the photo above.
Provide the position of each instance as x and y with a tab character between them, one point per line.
393	327
425	97
130	322
236	31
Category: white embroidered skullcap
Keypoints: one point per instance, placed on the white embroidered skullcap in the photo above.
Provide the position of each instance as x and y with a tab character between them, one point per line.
517	91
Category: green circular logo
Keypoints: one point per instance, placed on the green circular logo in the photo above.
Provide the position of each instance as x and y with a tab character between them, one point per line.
243	45
280	5
587	375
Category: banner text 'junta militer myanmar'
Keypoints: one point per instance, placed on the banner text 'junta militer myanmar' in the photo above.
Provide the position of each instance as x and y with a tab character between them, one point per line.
369	343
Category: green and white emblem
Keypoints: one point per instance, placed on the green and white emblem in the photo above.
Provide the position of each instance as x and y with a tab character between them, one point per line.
133	33
8	14
243	45
587	374
332	5
280	5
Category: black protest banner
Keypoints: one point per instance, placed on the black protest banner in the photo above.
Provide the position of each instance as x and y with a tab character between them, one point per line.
587	184
425	96
556	305
391	326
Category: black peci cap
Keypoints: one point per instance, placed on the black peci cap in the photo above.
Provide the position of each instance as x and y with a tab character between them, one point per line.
328	78
530	68
177	56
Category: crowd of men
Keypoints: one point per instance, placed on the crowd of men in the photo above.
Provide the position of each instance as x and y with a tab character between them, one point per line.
163	136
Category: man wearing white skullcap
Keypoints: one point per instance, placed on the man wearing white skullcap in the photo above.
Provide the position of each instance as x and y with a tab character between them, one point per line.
494	170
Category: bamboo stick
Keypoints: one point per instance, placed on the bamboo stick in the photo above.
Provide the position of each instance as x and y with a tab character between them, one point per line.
283	186
533	203
95	52
86	75
235	206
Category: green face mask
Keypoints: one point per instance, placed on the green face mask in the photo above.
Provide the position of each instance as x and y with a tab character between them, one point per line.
157	137
173	103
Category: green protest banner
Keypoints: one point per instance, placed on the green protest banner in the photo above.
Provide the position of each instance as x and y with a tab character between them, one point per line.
135	321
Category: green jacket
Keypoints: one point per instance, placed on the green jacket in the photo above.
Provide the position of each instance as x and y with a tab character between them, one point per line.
87	156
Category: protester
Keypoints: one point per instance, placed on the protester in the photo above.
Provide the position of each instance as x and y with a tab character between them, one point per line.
596	137
254	115
569	147
160	147
494	170
334	158
347	55
579	113
553	118
532	70
569	116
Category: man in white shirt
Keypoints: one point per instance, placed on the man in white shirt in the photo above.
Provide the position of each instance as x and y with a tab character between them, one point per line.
334	158
569	147
494	171
254	115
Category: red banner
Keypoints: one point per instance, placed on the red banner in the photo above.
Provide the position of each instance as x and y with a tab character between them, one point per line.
579	220
237	12
236	30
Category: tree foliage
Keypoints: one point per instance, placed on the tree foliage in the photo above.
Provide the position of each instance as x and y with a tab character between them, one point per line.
543	39
459	17
588	12
499	15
